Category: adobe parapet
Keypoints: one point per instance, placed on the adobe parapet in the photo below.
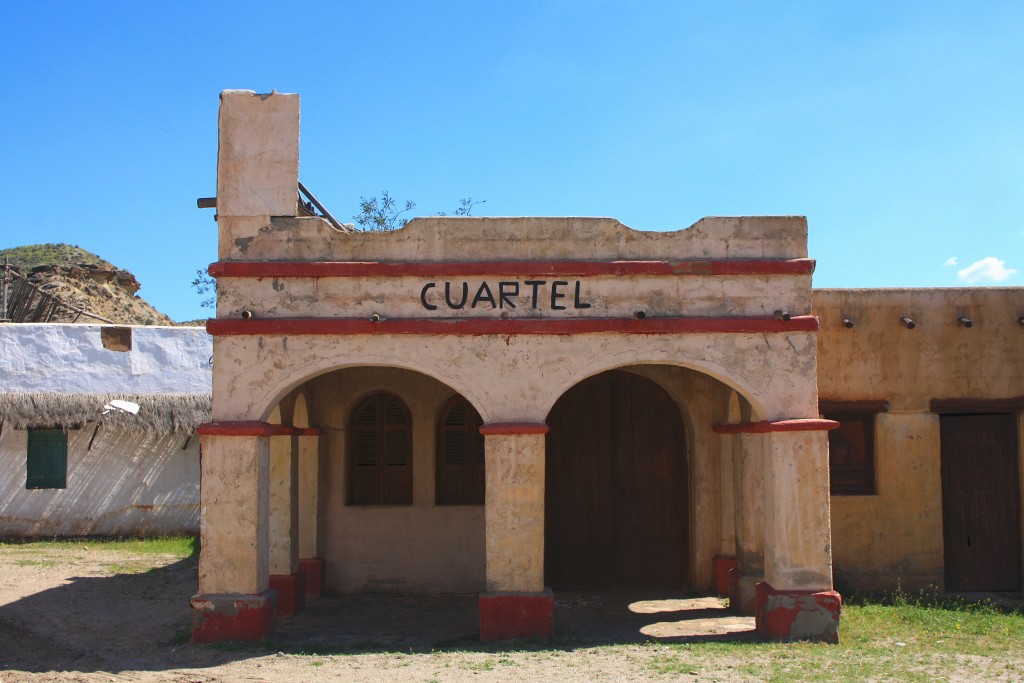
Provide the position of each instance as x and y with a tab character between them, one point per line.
521	238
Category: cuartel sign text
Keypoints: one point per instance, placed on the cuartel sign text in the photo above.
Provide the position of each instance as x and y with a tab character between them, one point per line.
556	295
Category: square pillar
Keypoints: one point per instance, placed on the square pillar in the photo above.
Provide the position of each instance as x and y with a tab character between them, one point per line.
312	566
257	165
235	601
516	603
748	485
796	600
285	577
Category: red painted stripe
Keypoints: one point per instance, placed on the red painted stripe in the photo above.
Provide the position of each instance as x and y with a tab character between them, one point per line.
221	327
510	428
800	425
318	269
253	428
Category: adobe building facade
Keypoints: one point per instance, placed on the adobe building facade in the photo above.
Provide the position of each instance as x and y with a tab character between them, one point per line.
514	406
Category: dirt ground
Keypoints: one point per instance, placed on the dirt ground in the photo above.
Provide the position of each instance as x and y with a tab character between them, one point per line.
100	615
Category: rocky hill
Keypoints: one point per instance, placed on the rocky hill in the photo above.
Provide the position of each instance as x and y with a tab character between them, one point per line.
65	283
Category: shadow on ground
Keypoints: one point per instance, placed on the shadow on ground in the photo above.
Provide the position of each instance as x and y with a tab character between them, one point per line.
429	623
140	622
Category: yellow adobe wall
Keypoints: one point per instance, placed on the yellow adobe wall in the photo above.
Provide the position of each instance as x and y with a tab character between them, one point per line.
895	537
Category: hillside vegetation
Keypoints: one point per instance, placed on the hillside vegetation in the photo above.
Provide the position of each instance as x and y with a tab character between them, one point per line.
28	257
77	279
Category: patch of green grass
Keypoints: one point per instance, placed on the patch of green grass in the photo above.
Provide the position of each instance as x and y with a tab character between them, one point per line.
127	567
896	638
671	664
485	665
179	546
35	563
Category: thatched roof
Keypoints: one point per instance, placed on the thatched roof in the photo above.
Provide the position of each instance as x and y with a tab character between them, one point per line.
157	413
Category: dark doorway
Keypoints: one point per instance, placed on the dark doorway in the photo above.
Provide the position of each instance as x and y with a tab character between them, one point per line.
617	487
981	502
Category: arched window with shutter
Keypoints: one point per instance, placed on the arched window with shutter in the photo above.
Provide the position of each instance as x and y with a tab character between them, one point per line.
460	455
380	452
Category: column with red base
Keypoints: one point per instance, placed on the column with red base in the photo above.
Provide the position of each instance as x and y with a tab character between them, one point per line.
285	576
516	603
235	601
739	575
796	599
312	566
749	472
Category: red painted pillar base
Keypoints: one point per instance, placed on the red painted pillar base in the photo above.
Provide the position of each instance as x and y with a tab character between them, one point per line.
742	592
721	565
233	617
291	593
315	571
517	615
797	615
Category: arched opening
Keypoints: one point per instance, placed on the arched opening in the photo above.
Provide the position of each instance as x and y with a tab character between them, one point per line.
382	528
617	486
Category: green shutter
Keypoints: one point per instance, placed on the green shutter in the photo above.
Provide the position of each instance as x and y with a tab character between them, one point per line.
47	462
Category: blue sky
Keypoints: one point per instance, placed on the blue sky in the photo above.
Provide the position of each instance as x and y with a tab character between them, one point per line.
897	128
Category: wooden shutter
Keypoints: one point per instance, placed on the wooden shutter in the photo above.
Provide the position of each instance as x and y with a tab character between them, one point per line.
460	455
851	454
380	452
47	459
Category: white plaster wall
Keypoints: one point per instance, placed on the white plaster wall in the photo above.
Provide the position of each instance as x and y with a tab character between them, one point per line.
48	357
128	483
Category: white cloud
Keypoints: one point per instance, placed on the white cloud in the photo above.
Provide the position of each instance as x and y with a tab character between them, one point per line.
951	261
988	269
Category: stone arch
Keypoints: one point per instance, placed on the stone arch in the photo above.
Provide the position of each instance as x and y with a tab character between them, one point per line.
744	395
270	399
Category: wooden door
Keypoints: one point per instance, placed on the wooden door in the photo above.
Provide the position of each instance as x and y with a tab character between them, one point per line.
981	502
617	490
